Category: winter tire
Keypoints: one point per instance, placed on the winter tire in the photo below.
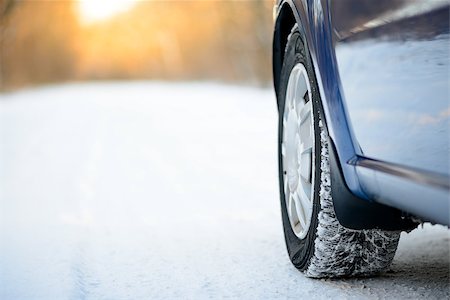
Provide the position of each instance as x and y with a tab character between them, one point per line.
316	242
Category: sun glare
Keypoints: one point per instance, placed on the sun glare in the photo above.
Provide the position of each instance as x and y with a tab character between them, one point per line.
97	10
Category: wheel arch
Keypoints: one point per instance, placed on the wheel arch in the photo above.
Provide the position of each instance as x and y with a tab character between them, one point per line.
284	22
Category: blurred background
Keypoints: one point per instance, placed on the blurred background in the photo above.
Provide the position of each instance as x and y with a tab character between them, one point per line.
46	41
138	159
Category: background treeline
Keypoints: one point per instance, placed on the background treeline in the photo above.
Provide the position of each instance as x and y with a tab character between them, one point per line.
45	42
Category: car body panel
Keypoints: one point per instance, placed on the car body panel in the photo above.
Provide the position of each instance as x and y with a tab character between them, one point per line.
335	47
393	65
420	199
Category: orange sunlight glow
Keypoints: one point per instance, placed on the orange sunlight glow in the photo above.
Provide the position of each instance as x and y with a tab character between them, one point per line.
97	10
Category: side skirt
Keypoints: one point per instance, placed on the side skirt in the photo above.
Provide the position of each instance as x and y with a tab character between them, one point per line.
423	194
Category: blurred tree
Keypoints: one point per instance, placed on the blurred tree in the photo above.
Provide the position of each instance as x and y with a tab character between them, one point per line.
42	41
36	42
182	40
5	8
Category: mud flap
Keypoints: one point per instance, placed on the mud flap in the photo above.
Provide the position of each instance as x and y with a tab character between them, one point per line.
355	213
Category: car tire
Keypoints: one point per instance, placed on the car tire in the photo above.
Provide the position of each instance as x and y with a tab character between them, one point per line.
319	246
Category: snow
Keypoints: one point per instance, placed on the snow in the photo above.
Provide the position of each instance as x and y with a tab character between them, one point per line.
355	252
161	190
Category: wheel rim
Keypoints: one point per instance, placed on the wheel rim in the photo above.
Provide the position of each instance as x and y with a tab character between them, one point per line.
297	150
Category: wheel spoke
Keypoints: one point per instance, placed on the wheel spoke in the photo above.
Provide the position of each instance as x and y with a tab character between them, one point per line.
305	165
306	135
294	102
289	92
304	197
305	112
283	149
307	191
296	220
300	108
289	206
307	150
300	87
300	209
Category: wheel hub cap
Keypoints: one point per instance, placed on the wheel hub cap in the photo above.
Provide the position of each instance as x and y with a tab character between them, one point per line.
298	151
292	143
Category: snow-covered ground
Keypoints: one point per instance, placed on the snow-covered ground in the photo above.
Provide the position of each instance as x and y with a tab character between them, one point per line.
156	190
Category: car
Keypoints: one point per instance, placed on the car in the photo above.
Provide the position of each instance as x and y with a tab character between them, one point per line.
362	92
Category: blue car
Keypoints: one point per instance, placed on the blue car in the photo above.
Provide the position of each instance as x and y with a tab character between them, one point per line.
363	144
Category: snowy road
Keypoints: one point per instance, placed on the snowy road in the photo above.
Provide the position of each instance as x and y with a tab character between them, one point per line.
153	190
